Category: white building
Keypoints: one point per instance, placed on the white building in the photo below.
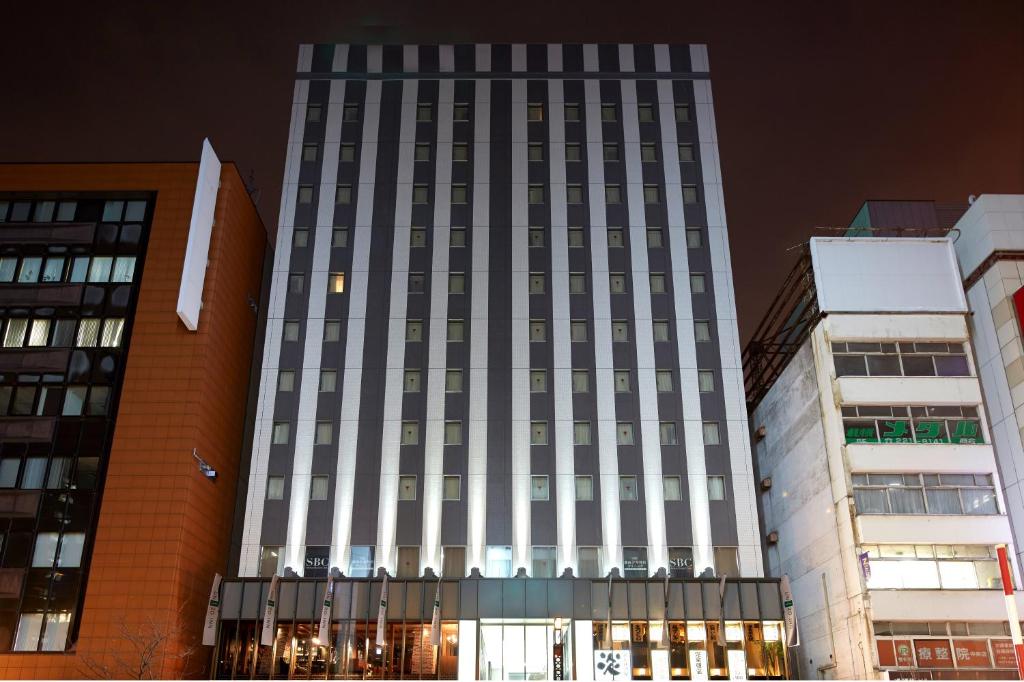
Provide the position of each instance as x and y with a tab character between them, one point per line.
880	492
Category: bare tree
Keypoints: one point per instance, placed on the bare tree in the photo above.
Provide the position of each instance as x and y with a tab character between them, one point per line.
147	650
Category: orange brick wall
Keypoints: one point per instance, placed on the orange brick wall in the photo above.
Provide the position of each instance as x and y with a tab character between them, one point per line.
164	528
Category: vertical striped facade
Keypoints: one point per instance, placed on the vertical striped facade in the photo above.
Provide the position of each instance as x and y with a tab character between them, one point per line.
501	322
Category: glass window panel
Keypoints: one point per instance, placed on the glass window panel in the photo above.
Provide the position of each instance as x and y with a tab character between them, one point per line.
74	401
53	271
14	335
55	634
588	559
663	380
124	269
543	562
98	396
906	501
34	473
30	270
45	550
673	488
918	366
361	564
99	268
27	637
943	501
958	575
63	334
988	575
712	435
870	501
8	266
581	433
112	211
40	332
726	561
850	366
453	381
9	468
627	488
667	433
716	487
319	487
584	488
952	366
112	330
498	562
60	473
24	399
71	550
979	501
883	365
88	332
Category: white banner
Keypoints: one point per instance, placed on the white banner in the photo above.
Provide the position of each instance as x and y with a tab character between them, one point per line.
435	619
789	613
212	612
270	615
324	631
382	613
698	664
612	664
737	664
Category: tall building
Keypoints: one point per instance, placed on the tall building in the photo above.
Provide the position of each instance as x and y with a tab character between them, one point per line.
880	493
113	390
501	346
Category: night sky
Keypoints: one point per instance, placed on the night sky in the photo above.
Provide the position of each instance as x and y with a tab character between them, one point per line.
816	110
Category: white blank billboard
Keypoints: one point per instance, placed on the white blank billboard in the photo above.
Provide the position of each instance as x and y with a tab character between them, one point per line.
197	252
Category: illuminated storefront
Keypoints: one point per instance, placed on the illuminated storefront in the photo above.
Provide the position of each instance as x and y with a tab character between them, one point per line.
946	651
519	629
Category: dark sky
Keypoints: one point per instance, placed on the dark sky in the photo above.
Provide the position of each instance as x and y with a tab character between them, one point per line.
819	105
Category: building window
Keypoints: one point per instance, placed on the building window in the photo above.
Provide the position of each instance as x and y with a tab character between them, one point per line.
648	152
280	433
535	151
424	112
654	238
620	331
538	381
616	238
686	152
657	280
538	330
300	238
727	561
453	563
408	562
584	488
539	488
336	283
645	113
286	380
694	240
420	194
410	433
305	194
660	330
543	562
313	113
456	331
498	562
535	194
900	359
612	194
347	153
453	381
460	152
705	380
701	331
421	152
406	488
673	488
318	487
290	331
680	562
324	433
607	113
617	283
574	194
667	433
912	424
716	487
682	113
573	152
610	151
534	112
460	194
343	194
452	488
309	152
663	380
627	489
572	113
575	237
361	561
588	560
577	331
946	494
413	330
535	237
275	487
457	237
411	381
930	567
621	381
697	283
417	237
712	436
577	283
536	283
580	381
332	331
652	194
350	112
296	283
581	433
328	380
460	112
456	283
624	433
453	433
538	433
690	194
271	561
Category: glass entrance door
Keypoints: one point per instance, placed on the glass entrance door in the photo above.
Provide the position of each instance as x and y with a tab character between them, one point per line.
516	651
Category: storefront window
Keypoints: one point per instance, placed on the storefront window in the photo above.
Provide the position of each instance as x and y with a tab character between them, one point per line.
634	562
360	563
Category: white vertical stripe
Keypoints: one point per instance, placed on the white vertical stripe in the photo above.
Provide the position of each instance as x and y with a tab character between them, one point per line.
699	58
340	61
374	58
608	456
662	60
590	62
410	58
520	334
387	509
446	58
437	360
249	556
555	57
348	429
728	337
483	57
646	390
565	467
305	58
476	470
693	434
519	57
305	425
626	58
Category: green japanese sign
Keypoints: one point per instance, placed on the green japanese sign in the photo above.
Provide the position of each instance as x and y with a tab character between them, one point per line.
905	431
